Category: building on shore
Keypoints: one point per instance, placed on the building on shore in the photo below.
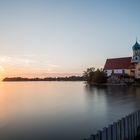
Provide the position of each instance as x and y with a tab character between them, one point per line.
125	65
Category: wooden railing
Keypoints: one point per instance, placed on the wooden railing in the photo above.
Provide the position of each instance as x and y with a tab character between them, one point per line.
125	129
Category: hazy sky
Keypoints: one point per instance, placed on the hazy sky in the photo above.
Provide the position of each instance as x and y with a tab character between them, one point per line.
65	36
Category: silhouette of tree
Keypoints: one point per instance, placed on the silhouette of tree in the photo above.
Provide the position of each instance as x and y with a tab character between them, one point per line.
93	76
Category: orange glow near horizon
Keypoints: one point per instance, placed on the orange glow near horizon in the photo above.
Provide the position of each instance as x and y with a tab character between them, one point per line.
31	72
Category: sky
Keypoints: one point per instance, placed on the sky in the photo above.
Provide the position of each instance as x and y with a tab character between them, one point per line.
64	37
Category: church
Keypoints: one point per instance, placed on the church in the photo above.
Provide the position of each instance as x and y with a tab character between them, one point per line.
125	65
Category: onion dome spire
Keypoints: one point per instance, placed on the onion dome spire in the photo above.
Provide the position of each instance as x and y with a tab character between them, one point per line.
136	46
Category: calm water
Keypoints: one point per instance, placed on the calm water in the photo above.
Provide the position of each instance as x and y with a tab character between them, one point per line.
61	110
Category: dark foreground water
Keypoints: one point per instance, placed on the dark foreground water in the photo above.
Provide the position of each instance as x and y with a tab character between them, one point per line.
61	110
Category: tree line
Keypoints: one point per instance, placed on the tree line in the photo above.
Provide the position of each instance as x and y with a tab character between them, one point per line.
70	78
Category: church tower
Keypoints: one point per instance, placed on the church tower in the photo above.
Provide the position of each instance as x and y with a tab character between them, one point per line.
136	53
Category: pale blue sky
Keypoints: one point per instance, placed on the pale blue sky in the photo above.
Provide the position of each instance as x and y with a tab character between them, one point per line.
65	36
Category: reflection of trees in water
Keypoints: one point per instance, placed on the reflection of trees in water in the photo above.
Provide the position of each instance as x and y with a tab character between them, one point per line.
91	89
114	90
121	94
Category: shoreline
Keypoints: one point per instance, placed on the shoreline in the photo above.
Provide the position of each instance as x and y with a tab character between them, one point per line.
113	84
20	79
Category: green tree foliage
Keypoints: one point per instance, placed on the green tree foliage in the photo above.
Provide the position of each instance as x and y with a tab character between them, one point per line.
93	76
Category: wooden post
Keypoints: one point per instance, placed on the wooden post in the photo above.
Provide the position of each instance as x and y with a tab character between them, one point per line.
114	132
138	118
122	128
129	128
119	130
136	123
126	128
109	132
104	134
133	126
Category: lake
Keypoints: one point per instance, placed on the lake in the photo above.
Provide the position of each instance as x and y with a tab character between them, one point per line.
61	110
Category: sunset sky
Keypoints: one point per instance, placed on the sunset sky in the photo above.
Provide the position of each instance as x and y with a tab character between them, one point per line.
64	37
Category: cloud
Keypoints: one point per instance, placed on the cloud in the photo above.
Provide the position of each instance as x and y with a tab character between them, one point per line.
16	61
54	66
24	64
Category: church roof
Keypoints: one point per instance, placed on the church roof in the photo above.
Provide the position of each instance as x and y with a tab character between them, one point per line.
136	46
118	63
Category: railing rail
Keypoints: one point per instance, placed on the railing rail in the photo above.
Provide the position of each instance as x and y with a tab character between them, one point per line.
125	129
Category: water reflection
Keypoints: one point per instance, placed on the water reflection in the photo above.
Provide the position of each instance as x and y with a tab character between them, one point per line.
122	99
61	110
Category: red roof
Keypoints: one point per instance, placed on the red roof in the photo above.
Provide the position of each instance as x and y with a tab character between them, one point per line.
118	63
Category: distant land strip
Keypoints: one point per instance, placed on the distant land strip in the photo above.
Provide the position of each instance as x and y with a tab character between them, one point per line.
70	78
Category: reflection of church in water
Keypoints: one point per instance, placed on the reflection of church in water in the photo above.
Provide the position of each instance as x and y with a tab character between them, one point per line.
125	65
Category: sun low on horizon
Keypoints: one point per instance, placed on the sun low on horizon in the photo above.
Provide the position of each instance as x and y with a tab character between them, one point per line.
69	69
57	38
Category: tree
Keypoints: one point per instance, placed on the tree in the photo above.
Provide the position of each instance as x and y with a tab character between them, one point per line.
89	74
93	76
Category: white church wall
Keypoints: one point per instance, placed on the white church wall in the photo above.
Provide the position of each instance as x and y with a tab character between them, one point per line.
117	71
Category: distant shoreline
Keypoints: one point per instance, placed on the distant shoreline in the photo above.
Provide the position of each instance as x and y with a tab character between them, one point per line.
20	79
